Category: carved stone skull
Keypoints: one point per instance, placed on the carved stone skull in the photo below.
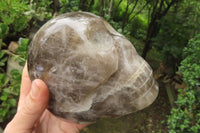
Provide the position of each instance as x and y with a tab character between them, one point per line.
91	70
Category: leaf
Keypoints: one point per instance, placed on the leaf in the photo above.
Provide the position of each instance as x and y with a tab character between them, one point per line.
12	102
10	91
4	97
7	19
4	28
2	53
16	75
5	80
23	41
2	61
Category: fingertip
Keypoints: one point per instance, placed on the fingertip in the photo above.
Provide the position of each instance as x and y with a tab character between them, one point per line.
30	108
25	70
25	84
40	84
40	88
81	126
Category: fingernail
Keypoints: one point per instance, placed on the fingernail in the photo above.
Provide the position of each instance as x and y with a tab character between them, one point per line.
35	90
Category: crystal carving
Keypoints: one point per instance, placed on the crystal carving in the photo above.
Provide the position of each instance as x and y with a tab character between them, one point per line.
91	70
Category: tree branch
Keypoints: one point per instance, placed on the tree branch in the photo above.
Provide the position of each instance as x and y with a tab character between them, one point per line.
133	7
110	8
115	10
139	11
154	9
168	7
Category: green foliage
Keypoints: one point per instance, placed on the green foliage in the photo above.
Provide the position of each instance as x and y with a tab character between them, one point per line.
2	58
186	117
176	28
22	51
13	14
69	5
172	38
40	9
9	92
10	86
3	30
43	4
139	28
18	15
3	33
7	101
191	63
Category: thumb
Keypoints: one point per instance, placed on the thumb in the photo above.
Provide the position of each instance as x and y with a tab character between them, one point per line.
31	108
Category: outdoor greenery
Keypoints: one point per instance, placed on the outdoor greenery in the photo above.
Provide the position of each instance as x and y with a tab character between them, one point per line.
9	86
186	116
165	32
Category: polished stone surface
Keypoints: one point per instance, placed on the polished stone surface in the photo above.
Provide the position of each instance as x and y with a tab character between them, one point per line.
91	70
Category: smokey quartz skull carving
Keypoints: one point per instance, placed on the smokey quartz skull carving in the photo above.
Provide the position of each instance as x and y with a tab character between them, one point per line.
91	70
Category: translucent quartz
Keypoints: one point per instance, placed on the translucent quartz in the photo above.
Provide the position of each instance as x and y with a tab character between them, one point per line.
91	70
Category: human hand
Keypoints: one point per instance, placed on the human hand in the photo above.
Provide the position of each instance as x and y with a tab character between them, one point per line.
32	115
